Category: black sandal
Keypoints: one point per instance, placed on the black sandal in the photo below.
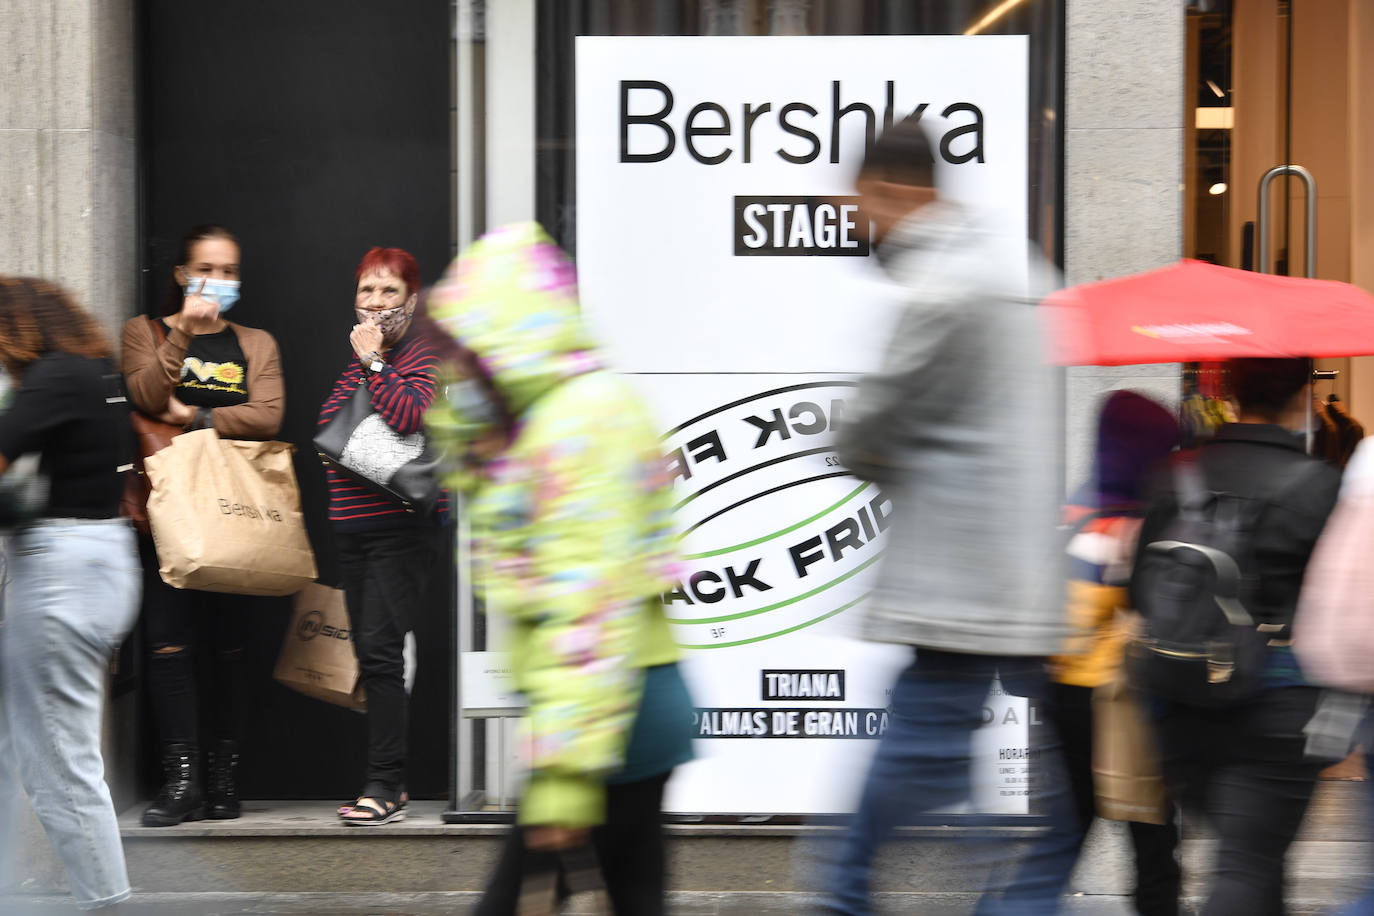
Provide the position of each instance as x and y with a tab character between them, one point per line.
379	811
349	806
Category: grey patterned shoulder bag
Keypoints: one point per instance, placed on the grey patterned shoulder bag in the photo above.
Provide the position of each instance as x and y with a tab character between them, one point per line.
358	441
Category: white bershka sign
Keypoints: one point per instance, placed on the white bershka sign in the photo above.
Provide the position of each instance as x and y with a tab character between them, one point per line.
724	263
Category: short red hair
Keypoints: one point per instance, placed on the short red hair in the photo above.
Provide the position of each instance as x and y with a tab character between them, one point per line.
397	260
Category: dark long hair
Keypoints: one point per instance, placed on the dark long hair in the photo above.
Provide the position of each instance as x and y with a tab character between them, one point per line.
172	298
38	317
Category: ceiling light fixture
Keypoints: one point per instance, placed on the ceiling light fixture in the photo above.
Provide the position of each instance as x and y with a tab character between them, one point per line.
1218	188
994	14
1214	118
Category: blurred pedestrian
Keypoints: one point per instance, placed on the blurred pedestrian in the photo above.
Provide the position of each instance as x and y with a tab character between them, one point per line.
192	368
1333	629
72	594
1134	434
571	514
1365	905
1244	764
387	552
957	428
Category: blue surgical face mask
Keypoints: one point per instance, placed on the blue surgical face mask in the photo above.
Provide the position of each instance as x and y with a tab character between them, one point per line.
224	292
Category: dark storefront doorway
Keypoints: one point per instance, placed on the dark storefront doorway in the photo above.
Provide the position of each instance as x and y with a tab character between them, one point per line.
313	130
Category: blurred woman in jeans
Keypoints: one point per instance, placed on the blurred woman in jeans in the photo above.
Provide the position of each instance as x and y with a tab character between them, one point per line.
72	594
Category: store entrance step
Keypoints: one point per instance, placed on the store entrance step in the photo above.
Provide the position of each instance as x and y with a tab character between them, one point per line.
299	847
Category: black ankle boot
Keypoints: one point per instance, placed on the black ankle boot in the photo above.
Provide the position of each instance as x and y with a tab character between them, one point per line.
222	794
181	798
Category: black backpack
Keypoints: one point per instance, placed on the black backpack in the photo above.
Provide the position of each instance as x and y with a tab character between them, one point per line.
1201	646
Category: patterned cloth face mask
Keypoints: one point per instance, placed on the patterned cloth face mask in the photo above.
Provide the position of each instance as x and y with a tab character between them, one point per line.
391	322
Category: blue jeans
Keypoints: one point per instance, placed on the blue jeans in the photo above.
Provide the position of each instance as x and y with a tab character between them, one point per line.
922	764
70	599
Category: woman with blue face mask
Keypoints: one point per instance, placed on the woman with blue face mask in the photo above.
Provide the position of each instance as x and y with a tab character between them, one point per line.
193	368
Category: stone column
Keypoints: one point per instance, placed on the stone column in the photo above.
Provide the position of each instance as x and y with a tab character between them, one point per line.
1123	156
68	166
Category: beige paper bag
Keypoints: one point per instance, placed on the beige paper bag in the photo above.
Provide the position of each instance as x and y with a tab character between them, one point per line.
317	657
1127	779
226	516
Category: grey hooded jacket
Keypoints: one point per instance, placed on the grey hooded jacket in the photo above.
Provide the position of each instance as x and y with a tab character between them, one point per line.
959	431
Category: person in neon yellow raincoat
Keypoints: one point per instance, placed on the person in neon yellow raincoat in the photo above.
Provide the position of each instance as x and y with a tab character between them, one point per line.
570	509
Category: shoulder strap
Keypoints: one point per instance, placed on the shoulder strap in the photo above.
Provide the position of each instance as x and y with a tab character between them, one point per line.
1190	487
158	333
1193	498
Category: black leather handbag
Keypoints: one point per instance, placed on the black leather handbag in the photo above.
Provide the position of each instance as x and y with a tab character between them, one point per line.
358	441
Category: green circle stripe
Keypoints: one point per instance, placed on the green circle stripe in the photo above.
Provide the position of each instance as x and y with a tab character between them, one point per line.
773	607
788	530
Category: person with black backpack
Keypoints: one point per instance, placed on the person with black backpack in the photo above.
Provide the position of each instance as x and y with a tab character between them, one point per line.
1227	535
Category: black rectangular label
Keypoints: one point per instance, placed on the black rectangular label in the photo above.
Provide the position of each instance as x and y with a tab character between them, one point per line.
797	226
815	684
778	722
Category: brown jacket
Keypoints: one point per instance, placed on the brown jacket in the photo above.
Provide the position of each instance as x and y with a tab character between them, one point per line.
152	371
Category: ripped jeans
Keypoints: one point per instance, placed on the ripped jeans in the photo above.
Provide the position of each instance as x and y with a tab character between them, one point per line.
70	599
195	647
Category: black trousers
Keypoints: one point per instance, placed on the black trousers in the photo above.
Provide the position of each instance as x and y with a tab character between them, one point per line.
629	847
1158	875
385	574
1244	768
201	678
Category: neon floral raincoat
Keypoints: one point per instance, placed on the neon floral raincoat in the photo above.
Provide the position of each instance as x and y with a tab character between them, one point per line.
571	523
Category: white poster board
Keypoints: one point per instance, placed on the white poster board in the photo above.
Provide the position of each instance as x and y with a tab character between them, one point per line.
487	686
723	264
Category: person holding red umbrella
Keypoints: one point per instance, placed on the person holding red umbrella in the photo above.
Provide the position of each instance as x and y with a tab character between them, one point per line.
1243	763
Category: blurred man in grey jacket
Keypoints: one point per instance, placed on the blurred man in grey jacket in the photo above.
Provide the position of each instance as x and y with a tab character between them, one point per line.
958	429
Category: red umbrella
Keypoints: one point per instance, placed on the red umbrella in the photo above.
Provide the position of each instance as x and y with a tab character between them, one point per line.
1194	311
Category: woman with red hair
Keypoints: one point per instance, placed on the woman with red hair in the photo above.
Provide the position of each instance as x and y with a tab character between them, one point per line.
386	551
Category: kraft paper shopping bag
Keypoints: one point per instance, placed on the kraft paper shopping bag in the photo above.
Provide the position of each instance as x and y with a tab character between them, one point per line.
226	516
317	657
1127	780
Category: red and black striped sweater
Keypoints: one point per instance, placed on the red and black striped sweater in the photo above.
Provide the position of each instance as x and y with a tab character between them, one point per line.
401	393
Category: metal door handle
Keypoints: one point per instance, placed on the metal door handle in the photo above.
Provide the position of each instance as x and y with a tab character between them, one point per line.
1262	227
